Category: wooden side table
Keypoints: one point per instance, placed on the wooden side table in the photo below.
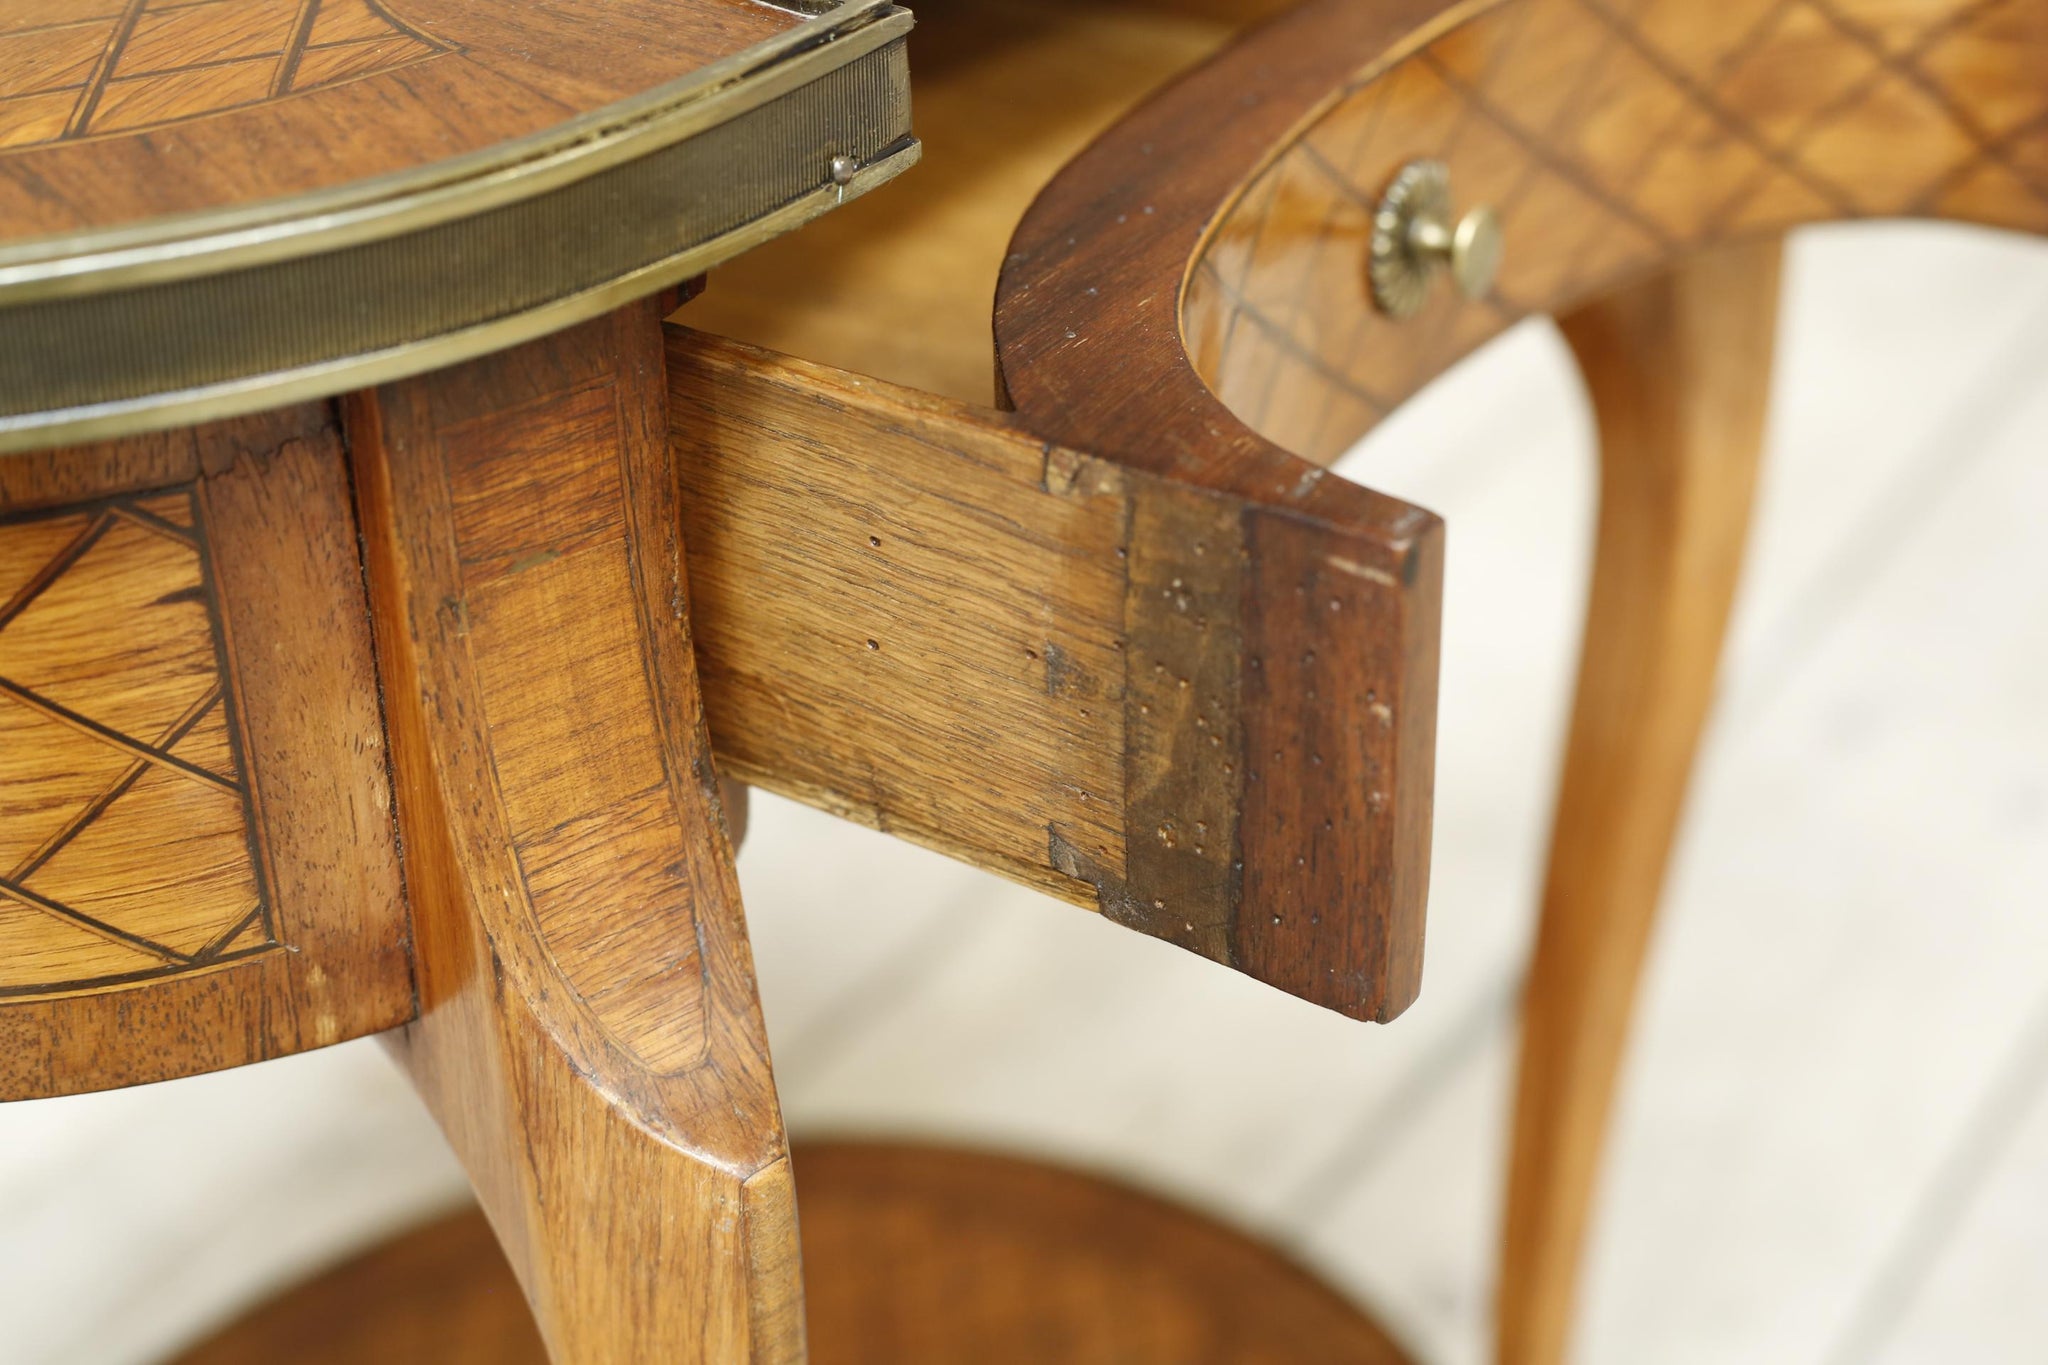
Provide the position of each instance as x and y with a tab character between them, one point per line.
365	666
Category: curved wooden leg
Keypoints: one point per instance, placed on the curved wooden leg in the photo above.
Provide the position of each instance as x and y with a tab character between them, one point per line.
589	1036
1679	370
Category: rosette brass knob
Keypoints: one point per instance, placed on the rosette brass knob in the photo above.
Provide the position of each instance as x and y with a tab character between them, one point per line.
1414	238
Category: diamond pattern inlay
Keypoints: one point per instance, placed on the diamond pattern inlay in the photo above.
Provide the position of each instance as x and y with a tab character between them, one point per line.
124	65
125	848
1608	134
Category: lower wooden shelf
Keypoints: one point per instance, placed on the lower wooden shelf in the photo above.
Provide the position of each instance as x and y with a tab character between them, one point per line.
911	1254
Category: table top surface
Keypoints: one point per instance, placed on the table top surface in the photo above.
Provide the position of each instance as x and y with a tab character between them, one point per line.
213	206
118	110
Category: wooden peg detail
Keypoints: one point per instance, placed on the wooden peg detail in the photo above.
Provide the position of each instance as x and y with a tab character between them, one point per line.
589	1033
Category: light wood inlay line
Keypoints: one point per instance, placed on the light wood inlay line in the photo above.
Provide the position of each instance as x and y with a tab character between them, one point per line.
103	70
126	813
125	743
107	931
50	847
150	521
219	944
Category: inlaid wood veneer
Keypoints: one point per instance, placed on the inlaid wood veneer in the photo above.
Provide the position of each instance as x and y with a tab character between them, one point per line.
211	207
197	866
124	781
1612	136
114	66
99	97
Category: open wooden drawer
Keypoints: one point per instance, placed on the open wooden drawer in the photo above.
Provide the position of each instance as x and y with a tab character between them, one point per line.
1148	685
1123	640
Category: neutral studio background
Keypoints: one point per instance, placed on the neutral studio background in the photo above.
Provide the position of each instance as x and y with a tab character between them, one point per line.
1832	1145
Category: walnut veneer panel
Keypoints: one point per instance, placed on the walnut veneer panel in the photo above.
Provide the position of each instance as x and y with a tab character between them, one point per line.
1610	137
197	867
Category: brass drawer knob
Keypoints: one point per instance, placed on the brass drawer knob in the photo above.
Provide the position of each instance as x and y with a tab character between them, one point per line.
1414	238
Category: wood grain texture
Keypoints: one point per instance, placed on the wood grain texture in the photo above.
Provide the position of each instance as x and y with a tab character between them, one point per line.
915	1256
895	618
1100	682
123	825
589	1035
1612	140
195	818
1679	370
116	110
1318	664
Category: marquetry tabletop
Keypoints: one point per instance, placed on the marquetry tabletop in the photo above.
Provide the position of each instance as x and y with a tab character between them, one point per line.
212	206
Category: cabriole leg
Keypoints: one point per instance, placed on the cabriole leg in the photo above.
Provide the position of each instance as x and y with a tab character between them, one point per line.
1678	369
589	1035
